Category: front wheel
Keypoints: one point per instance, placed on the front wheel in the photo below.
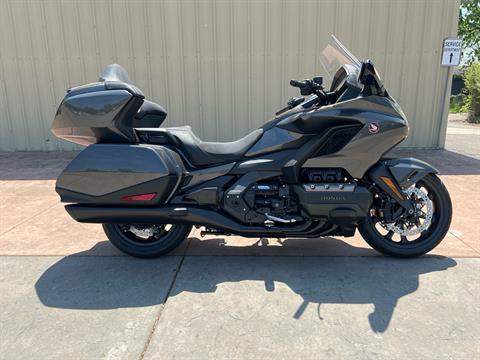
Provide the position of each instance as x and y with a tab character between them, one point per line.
146	240
412	234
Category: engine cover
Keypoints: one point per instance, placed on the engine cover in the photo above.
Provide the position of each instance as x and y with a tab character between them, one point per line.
334	201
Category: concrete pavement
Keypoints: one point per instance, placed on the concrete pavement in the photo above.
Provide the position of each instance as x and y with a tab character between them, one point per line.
237	307
322	308
462	137
80	307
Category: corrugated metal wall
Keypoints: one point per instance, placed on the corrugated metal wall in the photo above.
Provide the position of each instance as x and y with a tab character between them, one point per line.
221	66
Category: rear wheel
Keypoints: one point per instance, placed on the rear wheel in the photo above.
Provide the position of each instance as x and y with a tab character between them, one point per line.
416	233
146	240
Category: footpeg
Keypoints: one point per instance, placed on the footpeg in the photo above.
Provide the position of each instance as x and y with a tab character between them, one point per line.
279	219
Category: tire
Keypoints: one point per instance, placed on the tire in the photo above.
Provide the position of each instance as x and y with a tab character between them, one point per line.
151	247
428	239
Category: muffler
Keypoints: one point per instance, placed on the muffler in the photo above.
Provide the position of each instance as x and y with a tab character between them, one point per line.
177	215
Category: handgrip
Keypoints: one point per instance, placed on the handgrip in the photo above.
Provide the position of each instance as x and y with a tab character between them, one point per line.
307	86
299	84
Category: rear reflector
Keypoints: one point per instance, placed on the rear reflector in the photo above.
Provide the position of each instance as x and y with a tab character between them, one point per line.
142	197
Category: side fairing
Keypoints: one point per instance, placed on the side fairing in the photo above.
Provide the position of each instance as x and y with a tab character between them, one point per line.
276	139
383	127
351	134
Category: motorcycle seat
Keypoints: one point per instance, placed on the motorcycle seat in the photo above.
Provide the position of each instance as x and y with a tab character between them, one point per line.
203	153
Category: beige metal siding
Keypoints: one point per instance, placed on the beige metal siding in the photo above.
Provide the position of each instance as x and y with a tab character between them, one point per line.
221	66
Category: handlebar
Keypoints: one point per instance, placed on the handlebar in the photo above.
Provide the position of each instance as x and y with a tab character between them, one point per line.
310	87
299	84
314	86
307	86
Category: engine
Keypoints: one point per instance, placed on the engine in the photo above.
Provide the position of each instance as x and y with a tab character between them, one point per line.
270	198
263	202
324	175
323	194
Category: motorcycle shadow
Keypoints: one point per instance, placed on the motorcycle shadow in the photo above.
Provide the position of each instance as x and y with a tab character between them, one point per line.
94	283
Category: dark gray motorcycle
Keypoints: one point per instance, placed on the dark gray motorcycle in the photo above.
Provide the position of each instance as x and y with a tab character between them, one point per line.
317	169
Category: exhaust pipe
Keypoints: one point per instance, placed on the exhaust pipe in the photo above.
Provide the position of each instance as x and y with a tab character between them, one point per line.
181	215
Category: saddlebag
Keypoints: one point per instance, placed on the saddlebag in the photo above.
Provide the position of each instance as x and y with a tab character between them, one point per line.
116	174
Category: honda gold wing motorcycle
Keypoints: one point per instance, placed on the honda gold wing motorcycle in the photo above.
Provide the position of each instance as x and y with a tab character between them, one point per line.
317	169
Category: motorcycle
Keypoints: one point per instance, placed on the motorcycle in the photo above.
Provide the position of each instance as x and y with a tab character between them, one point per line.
317	169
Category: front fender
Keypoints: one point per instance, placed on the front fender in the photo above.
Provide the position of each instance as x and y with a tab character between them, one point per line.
393	175
408	171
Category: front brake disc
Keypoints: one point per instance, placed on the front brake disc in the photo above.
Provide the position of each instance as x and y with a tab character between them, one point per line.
424	201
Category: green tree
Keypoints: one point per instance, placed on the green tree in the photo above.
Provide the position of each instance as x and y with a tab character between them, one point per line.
469	28
472	83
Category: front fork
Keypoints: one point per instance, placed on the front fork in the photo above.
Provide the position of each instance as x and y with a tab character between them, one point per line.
383	179
394	175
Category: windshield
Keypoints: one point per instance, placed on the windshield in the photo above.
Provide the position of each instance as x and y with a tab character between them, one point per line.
335	55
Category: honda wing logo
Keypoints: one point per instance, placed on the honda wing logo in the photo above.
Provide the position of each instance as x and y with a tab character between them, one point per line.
373	127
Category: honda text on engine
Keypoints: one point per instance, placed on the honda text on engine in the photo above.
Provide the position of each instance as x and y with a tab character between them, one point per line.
317	169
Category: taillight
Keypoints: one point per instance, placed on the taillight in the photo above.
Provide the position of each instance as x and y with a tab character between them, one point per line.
142	197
